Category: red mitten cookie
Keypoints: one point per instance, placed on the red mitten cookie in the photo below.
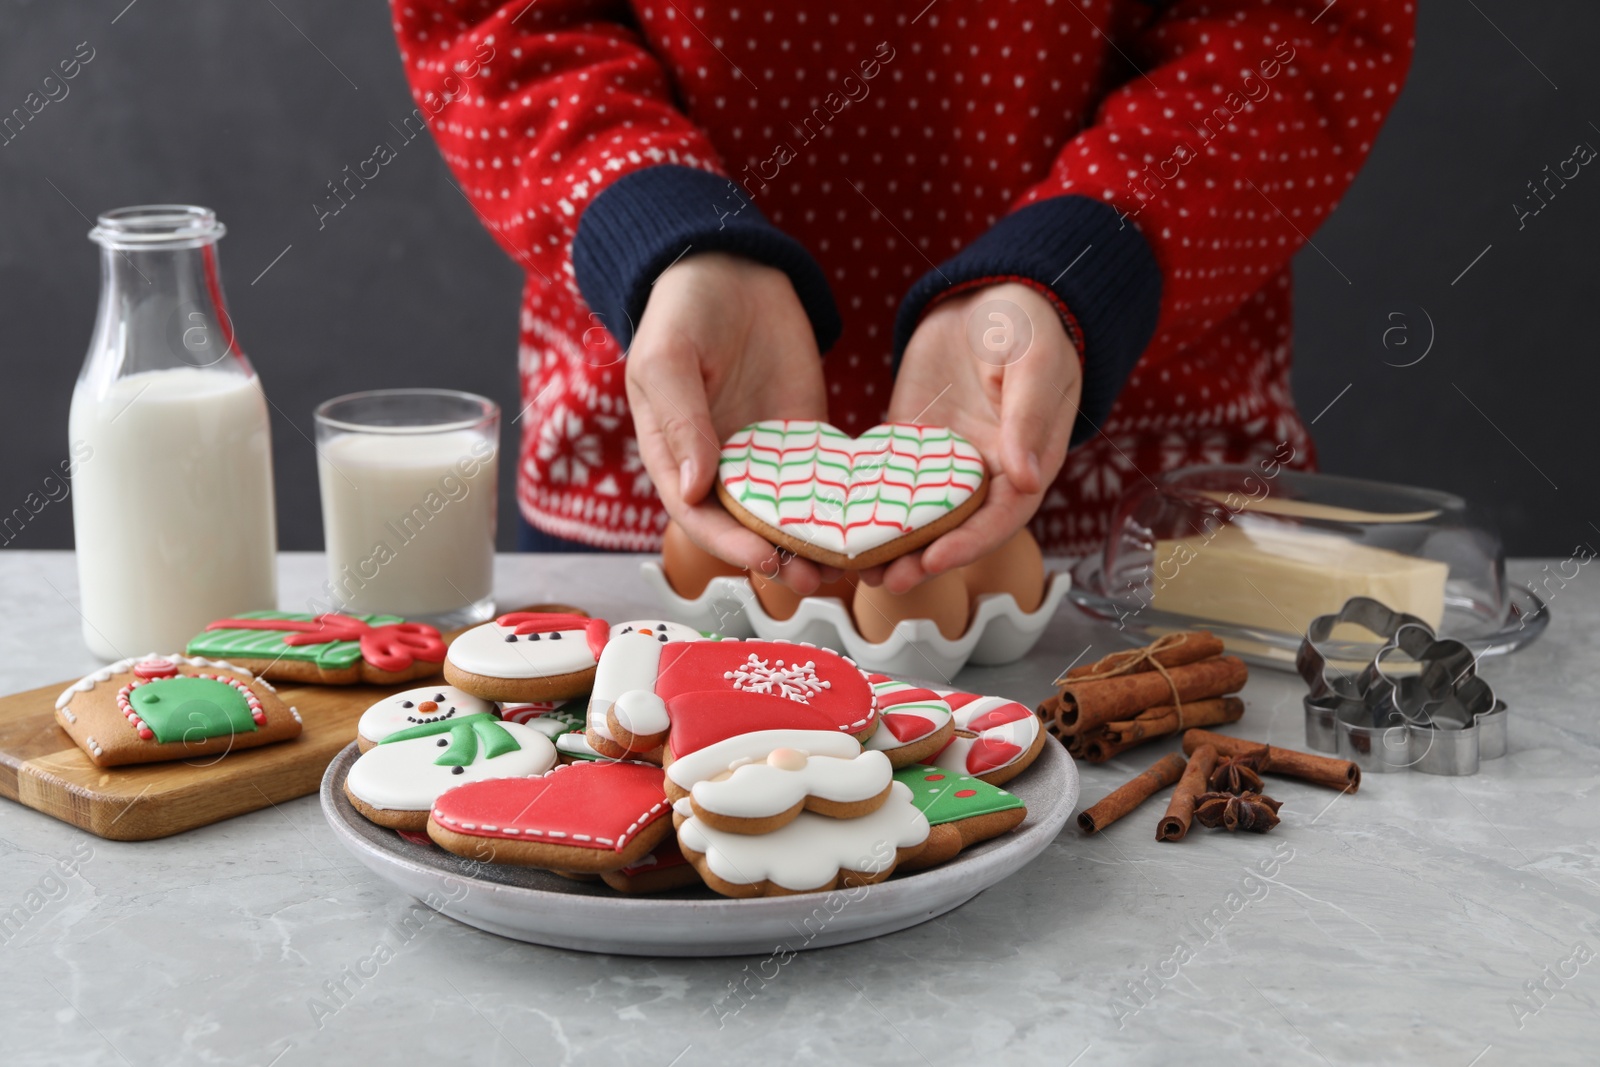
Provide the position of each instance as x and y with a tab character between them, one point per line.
169	707
581	817
849	502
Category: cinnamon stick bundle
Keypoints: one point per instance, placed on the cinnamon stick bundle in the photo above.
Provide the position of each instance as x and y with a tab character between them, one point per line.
1319	770
1125	798
1173	650
1115	738
1084	705
1174	825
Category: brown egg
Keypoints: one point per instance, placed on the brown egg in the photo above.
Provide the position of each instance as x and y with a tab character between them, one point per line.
781	602
688	567
1016	567
942	599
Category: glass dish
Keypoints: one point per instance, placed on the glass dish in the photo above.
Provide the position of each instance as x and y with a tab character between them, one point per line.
1253	553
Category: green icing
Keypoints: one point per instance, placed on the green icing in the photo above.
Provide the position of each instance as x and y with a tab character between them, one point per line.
268	644
191	709
466	734
934	789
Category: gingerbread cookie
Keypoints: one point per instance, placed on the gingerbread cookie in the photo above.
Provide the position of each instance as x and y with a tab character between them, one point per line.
325	649
172	707
395	782
581	817
849	502
645	692
417	707
811	854
561	721
960	810
995	739
755	783
542	656
913	723
662	870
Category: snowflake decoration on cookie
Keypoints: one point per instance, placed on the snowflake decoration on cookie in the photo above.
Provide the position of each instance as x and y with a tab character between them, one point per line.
797	681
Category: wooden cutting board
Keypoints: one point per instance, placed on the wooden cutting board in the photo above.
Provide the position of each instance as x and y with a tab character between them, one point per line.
42	768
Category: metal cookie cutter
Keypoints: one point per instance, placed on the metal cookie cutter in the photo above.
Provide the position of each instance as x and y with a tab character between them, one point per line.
1441	719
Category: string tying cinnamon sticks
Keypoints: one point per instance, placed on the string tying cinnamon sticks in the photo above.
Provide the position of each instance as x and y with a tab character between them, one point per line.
1129	698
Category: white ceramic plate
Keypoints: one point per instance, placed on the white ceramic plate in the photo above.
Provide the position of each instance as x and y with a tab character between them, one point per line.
546	909
1000	631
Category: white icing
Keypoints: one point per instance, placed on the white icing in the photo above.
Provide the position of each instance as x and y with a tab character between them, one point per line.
641	713
94	746
715	758
629	661
935	711
402	775
67	714
551	728
675	631
761	790
890	493
484	650
575	744
388	715
104	674
808	852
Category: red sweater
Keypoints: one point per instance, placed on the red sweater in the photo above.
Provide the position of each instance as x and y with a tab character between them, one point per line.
1157	181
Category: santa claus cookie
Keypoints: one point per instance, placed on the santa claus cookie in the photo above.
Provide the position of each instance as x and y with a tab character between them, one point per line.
542	656
810	854
172	707
850	502
913	723
995	739
396	781
755	783
325	649
582	817
960	810
642	692
417	707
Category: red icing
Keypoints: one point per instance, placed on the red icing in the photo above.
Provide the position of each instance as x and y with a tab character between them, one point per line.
1010	712
960	700
394	647
906	696
416	838
935	777
906	727
988	754
701	719
596	631
155	668
701	668
966	793
599	805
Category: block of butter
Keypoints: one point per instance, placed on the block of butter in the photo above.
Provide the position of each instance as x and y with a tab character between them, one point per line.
1274	575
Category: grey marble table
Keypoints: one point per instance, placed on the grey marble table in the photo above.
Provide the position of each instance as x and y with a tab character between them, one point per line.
1435	920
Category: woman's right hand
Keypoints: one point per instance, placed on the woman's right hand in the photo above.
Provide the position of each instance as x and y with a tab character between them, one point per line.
723	342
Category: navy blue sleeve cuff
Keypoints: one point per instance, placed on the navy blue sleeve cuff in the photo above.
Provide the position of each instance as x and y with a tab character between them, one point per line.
1092	259
647	220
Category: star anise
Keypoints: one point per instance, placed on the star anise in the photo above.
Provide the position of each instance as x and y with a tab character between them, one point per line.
1236	774
1247	811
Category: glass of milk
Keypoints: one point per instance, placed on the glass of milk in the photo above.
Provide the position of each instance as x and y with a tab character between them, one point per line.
408	480
169	441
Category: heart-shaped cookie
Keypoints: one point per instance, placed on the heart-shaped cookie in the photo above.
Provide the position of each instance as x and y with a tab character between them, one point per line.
850	502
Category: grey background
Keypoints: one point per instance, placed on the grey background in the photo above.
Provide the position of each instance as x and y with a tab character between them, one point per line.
250	107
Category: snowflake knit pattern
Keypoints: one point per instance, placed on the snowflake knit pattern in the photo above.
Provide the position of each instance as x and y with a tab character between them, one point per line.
884	139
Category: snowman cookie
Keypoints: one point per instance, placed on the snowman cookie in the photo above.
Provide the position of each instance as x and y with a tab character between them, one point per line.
582	818
172	707
641	693
755	783
813	853
395	782
417	707
849	502
542	656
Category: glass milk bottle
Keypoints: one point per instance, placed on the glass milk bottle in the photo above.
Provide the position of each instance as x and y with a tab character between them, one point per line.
172	497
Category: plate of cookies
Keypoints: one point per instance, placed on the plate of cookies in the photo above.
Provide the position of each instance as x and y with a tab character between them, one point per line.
642	788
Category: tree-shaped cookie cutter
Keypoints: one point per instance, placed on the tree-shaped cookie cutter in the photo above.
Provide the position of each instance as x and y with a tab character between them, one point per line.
1440	719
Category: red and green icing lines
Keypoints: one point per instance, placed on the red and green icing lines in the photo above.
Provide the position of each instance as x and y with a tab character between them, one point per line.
852	494
332	641
908	713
